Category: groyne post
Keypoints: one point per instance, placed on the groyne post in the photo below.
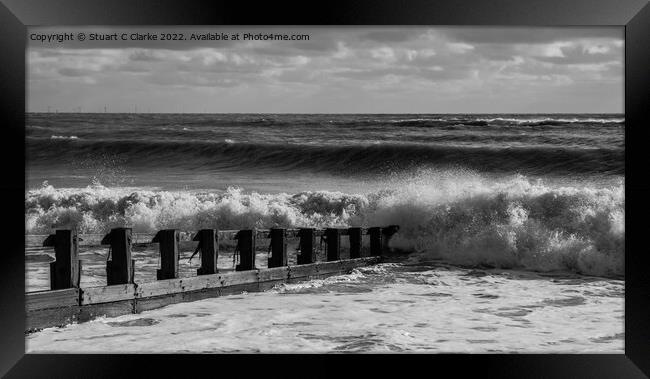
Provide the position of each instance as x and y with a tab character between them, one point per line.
246	246
333	237
375	241
278	248
387	234
168	243
119	270
355	242
65	271
209	251
306	255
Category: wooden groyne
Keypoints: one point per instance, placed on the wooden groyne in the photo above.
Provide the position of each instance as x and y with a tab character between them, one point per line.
67	302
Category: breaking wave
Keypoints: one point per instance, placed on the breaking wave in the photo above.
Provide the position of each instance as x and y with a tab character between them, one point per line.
458	216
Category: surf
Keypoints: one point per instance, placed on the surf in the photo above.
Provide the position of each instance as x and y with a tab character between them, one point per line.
461	217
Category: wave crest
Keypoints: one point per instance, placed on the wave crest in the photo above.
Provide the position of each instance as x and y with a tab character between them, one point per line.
460	217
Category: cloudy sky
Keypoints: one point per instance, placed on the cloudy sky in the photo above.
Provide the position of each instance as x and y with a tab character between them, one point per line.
339	70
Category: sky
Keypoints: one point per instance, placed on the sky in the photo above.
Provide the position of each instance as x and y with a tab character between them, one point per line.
338	70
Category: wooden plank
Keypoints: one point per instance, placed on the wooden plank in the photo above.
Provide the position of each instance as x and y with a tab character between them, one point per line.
327	267
51	299
161	287
198	283
47	318
107	294
202	282
272	274
303	271
238	277
264	286
112	309
169	286
202	294
239	288
349	264
124	299
155	302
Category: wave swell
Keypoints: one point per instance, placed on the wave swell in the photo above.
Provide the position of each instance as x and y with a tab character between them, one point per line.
537	160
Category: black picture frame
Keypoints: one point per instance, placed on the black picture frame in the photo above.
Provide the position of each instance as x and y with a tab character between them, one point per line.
633	14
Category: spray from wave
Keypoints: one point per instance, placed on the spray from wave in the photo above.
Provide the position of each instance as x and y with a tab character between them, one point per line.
459	216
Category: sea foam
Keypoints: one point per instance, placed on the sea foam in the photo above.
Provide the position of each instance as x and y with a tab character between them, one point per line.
458	216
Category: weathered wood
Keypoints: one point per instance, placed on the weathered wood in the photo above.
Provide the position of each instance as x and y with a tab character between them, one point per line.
234	278
273	274
333	239
329	267
161	287
168	241
184	284
154	302
125	299
64	271
51	299
52	317
267	285
112	309
355	242
303	272
278	248
119	270
246	248
170	286
201	294
375	241
349	264
307	254
239	288
209	251
387	234
107	294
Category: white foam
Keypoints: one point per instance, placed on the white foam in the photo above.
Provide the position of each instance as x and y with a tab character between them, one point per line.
457	215
438	310
64	137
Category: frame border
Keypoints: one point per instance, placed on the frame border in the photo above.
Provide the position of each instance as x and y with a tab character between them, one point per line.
15	15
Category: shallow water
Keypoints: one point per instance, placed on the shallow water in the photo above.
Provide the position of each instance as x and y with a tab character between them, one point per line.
406	306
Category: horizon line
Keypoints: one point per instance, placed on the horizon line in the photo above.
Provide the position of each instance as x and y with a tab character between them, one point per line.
334	113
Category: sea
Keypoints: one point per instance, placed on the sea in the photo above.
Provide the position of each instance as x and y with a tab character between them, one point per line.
511	234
